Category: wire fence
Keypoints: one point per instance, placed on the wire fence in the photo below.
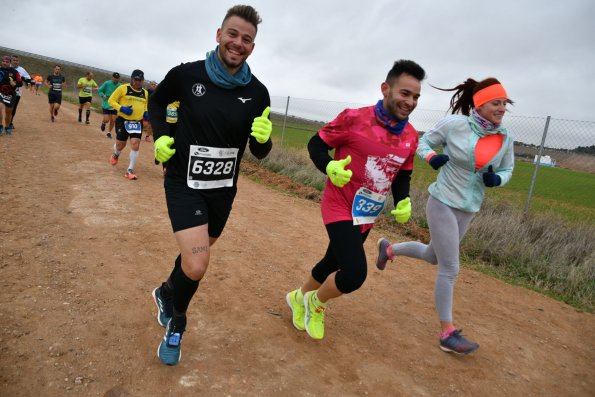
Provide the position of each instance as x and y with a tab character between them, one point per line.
543	141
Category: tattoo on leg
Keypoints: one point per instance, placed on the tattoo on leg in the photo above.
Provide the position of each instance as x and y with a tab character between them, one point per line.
199	250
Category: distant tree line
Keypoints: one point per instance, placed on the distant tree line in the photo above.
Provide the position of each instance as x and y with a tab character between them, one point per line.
579	149
586	149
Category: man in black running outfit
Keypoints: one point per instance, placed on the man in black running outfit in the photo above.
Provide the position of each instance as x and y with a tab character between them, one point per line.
222	107
55	82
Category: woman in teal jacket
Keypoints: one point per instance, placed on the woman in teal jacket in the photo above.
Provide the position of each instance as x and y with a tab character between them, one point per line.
477	153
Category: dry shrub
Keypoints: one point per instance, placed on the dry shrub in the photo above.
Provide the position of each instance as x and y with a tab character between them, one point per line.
542	249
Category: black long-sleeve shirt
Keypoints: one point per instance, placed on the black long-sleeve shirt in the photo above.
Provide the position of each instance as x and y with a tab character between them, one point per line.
208	116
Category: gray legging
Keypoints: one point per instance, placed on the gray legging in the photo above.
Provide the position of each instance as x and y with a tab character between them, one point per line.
447	228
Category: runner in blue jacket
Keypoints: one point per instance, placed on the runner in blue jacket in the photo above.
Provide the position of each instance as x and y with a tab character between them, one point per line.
477	153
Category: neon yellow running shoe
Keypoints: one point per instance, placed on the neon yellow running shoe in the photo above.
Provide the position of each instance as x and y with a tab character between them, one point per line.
314	317
297	308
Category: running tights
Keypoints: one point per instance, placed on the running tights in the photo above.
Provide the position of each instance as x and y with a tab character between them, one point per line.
15	105
447	228
345	255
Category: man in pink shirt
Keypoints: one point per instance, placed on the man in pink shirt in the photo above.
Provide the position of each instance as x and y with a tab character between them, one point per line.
374	151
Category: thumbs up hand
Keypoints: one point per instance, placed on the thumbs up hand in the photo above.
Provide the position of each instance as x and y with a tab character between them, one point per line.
337	173
402	212
490	178
262	126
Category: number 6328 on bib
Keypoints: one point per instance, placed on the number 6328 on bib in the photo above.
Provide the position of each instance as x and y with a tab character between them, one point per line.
210	167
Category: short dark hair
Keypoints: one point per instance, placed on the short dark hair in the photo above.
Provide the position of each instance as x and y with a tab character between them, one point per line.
245	12
405	66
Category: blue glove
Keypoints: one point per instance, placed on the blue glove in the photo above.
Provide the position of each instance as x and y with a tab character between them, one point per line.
146	116
438	160
127	110
491	179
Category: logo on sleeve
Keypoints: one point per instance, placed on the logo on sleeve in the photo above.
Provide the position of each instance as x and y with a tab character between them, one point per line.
198	89
244	100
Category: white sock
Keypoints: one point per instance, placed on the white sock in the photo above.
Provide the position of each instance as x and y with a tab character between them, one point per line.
133	158
116	151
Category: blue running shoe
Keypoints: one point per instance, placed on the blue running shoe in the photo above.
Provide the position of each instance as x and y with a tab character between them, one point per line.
7	131
165	307
458	344
1	128
170	348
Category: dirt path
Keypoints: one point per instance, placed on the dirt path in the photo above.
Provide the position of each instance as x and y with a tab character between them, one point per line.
81	248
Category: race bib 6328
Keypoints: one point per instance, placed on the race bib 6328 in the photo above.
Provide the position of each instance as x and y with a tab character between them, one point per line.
211	167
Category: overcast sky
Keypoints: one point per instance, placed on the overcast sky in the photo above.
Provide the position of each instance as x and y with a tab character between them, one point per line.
338	50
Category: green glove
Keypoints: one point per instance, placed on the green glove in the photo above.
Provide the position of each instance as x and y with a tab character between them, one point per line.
163	150
262	126
402	212
337	173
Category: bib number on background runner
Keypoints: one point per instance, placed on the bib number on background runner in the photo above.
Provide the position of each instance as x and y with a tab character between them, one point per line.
7	99
133	127
87	89
171	114
211	167
367	205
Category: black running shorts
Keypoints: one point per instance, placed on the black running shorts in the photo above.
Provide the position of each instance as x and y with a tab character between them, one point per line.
85	99
54	97
189	207
122	134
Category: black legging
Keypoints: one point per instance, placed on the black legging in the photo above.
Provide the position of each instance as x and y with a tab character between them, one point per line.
17	98
345	255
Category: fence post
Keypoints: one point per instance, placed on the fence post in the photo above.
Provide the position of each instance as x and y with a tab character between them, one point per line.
284	121
537	161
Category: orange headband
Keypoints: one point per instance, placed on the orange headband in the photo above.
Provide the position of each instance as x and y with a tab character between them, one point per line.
487	94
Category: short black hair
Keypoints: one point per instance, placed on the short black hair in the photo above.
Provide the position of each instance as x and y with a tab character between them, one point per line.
405	66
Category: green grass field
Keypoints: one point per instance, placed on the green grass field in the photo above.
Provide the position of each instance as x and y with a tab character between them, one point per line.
569	193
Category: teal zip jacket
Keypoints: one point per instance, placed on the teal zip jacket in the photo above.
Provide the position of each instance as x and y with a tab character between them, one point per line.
458	184
105	91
